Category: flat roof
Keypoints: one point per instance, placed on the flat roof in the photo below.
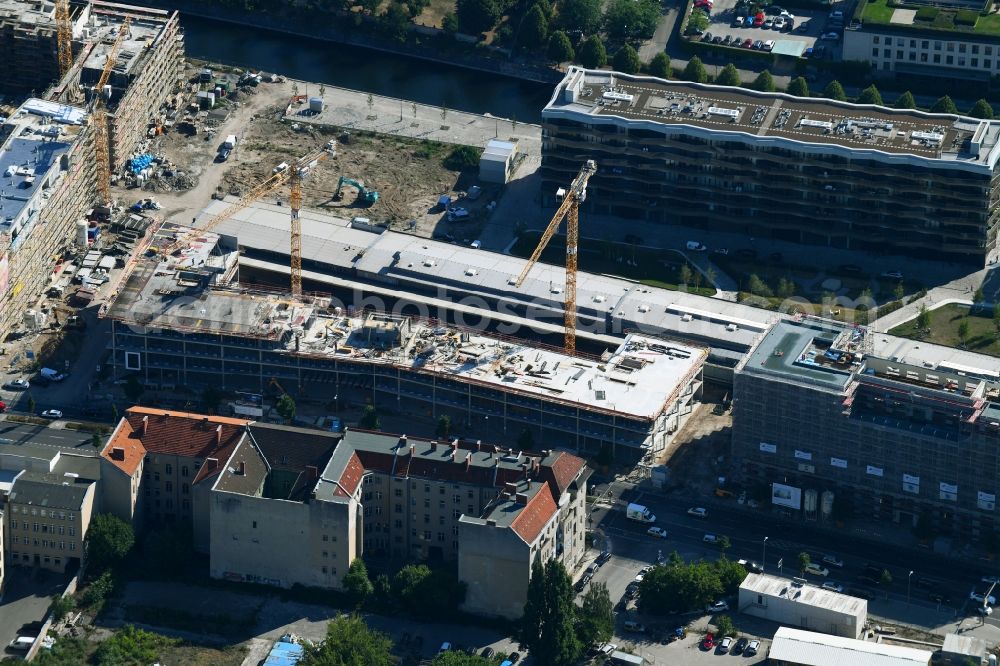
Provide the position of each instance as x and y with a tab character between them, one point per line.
807	595
797	350
36	136
761	116
809	648
106	20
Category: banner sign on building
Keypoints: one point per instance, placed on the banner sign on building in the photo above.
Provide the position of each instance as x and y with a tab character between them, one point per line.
874	471
838	462
768	448
987	501
803	455
911	484
789	496
947	491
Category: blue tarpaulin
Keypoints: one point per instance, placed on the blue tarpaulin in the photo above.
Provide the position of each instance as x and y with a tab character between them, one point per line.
137	164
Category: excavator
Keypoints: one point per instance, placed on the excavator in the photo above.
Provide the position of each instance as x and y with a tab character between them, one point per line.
366	196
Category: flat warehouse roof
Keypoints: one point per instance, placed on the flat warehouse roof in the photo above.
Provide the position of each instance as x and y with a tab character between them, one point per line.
813	649
761	116
807	595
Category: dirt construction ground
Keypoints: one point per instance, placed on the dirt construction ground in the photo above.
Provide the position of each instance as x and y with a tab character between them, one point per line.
408	174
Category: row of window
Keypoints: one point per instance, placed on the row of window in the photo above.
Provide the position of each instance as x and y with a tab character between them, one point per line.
42	513
950	47
14	555
43	528
167	487
42	543
936	59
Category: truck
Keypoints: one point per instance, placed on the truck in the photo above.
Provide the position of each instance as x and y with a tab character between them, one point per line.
230	142
639	513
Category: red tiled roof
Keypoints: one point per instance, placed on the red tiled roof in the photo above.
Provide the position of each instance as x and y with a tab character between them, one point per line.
133	449
352	476
535	515
561	471
182	434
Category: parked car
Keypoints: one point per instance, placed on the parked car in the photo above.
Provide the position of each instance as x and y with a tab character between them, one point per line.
751	648
758	44
741	645
445	647
514	657
748	43
724	646
833	587
710	538
698	512
707	37
603	557
769	45
52	414
18	385
717	607
750	566
476	244
727	39
979	598
657	532
717	39
738	22
830	37
896	275
708	642
833	561
487	652
816	570
779	23
695	245
635	627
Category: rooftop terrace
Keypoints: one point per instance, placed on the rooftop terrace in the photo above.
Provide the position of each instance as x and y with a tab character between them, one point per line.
822	122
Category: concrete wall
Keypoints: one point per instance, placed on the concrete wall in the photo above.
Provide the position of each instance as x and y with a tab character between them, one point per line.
281	543
788	612
120	492
495	565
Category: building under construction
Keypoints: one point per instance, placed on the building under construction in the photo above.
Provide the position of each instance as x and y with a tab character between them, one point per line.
181	321
28	43
47	181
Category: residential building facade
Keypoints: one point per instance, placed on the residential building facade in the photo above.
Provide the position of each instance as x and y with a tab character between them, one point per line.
47	518
811	171
836	420
894	50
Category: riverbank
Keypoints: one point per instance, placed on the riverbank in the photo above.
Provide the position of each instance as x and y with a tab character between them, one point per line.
333	28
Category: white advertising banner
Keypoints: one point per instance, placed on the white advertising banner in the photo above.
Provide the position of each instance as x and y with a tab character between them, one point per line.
783	495
768	448
874	471
838	462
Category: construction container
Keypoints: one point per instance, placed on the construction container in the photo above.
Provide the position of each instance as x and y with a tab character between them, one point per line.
316	104
81	232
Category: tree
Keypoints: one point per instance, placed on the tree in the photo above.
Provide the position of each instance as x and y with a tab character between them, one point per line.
758	287
886	578
724	626
870	95
582	15
134	388
679	588
698	21
109	540
944	105
628	20
729	76
981	109
731	575
685	274
560	49
899	291
659	66
977	297
370	101
456	658
547	627
534	29
627	60
593	54
476	16
32	404
423	591
95	440
906	101
724	543
449	23
798	87
786	288
349	642
62	605
597	616
443	428
963	331
835	91
764	82
356	582
395	21
131	645
210	398
923	318
695	71
461	157
369	419
804	562
286	407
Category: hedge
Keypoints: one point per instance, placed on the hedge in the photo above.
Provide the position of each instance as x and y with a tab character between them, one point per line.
927	13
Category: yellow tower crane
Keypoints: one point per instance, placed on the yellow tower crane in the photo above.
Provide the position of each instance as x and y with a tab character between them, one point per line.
99	119
570	210
292	175
64	36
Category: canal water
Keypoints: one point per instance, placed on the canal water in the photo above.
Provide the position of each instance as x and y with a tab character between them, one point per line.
368	70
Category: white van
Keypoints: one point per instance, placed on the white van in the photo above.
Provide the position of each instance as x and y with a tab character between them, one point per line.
696	246
22	643
710	538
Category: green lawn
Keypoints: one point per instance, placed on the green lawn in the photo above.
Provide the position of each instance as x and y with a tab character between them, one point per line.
943	330
877	11
988	25
650	266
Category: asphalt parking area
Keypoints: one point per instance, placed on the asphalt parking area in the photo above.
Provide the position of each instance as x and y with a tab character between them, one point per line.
27	595
809	26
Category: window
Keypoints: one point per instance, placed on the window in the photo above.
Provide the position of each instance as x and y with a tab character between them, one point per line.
874	53
427	518
923	57
169	486
326	553
913	56
899	55
457	498
399	524
427	503
399	492
924	44
441	537
937	57
62	530
184	489
950	47
324	569
440	520
427	488
949	60
170	469
156	476
184	470
937	46
470	494
471	510
427	535
441	504
255	524
72	546
975	49
326	537
886	53
875	39
455	514
454	545
441	489
399	508
454	530
961	48
34	527
913	43
974	62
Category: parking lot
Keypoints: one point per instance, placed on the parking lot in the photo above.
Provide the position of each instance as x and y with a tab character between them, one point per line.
26	598
809	28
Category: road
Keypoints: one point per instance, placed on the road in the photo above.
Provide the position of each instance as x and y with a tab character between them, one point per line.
62	438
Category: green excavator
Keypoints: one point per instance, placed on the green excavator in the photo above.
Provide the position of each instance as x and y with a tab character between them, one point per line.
368	197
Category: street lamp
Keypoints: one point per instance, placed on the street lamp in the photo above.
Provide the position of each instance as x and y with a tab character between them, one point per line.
763	556
908	577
